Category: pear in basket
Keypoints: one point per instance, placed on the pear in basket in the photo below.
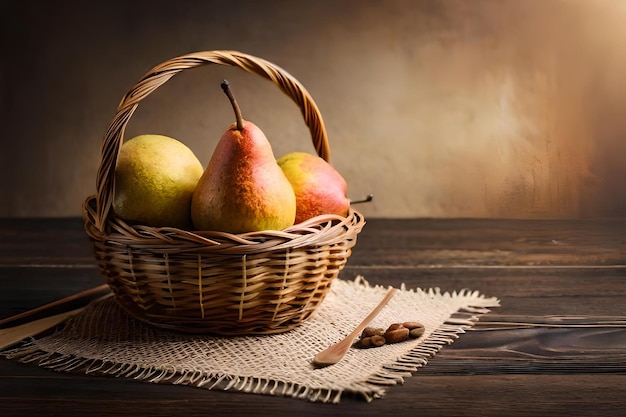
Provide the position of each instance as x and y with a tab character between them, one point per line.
155	177
243	189
319	188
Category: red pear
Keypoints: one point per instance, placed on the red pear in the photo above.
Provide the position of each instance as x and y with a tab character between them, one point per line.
319	188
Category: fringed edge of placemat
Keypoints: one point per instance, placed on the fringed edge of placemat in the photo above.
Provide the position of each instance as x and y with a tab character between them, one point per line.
450	330
374	387
29	353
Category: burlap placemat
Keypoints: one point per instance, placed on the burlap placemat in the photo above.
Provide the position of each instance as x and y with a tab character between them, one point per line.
104	340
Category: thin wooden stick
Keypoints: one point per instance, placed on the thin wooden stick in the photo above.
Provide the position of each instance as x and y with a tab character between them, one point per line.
12	335
86	295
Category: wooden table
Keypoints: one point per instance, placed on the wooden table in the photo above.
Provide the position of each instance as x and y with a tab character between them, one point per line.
556	346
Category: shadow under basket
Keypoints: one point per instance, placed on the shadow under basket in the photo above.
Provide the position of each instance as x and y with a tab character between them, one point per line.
215	282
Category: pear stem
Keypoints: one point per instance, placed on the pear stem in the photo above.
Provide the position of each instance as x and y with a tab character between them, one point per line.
229	93
364	200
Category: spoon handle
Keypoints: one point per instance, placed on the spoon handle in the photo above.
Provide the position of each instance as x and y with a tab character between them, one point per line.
372	315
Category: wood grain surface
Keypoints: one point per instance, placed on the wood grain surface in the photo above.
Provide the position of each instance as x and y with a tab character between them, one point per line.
556	346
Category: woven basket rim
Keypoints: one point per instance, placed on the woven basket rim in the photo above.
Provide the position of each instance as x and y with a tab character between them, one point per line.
319	230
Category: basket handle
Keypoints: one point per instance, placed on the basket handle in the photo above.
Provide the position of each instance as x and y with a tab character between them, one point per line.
160	74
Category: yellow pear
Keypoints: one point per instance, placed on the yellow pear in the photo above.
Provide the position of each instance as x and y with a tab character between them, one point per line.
319	188
243	189
155	178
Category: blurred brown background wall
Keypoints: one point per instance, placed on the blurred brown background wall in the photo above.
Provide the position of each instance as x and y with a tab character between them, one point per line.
451	108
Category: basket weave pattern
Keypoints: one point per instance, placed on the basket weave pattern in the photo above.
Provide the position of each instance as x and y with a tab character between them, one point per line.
215	282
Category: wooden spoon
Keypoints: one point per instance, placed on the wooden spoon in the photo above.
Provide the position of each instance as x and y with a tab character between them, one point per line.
336	352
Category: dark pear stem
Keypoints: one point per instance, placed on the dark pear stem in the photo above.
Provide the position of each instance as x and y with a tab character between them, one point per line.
226	87
365	200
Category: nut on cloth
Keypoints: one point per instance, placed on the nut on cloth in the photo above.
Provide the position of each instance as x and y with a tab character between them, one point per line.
105	340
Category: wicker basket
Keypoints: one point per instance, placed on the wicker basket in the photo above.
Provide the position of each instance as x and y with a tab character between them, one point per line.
215	282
